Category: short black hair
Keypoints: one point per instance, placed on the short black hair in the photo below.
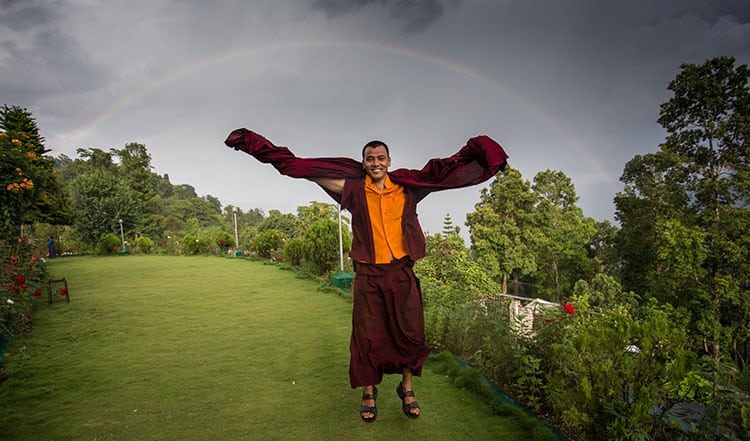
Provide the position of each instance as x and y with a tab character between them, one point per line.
373	144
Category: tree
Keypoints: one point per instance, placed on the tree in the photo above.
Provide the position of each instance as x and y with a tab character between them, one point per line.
101	200
500	228
563	237
602	248
135	169
287	223
535	232
309	214
649	198
448	226
688	202
31	191
708	121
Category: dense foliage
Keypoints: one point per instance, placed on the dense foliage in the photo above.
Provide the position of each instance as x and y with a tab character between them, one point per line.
29	189
684	211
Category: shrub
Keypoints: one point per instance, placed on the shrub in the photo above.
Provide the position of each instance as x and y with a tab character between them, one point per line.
267	241
294	251
21	280
193	244
321	245
608	371
108	244
224	241
145	245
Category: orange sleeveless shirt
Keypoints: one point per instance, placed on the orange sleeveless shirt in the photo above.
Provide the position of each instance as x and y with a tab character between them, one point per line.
386	209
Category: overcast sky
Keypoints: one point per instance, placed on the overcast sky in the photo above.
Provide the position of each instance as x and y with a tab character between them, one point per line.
570	85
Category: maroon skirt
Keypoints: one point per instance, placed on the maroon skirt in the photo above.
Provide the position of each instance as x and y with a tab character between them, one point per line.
387	323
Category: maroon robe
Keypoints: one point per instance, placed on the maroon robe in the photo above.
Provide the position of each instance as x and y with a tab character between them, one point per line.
476	162
387	318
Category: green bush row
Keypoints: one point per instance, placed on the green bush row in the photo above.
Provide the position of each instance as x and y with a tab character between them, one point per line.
598	369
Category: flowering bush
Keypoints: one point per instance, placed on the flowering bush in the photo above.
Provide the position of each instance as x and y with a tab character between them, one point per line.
22	274
266	242
109	243
145	245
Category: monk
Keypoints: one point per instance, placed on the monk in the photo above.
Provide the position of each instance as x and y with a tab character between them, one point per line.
388	334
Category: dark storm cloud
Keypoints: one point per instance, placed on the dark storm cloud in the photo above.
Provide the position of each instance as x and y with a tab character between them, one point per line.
19	15
53	64
45	61
413	15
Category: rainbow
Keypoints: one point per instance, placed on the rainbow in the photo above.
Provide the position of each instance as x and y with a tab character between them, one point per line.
254	50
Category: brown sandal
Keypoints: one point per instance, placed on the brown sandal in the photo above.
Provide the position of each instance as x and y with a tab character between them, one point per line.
367	409
407	408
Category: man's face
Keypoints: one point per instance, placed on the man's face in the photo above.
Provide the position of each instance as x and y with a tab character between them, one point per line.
376	162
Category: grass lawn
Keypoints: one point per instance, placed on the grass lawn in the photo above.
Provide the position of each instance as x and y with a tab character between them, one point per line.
209	348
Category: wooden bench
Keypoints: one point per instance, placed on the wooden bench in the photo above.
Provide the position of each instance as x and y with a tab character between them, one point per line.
64	293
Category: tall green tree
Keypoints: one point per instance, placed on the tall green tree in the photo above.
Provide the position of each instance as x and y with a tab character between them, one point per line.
31	190
561	246
101	200
135	169
603	248
501	229
535	233
684	211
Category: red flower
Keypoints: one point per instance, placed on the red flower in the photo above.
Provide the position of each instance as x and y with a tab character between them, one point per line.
63	292
37	293
20	280
569	308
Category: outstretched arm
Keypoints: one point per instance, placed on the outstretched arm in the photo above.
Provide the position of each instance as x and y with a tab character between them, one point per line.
331	185
479	160
329	173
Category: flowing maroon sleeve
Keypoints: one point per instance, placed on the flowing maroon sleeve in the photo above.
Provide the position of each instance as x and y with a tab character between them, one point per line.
287	163
479	160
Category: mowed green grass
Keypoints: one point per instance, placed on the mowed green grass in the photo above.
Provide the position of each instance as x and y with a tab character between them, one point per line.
208	348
